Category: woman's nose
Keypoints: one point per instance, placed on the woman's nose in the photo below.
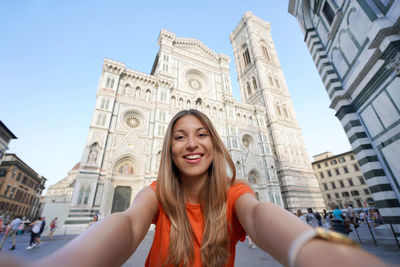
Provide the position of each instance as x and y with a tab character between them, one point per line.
191	142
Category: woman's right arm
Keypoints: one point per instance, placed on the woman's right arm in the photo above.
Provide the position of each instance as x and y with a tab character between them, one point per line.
111	241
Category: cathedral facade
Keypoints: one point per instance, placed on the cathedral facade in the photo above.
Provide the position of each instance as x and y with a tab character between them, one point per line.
133	109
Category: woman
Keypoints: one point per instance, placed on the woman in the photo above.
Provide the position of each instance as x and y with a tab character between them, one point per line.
311	218
299	214
327	220
200	213
53	226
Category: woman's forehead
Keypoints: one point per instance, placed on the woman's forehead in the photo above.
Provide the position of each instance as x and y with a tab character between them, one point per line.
187	122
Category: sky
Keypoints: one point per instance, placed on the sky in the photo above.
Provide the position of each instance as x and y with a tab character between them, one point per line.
51	55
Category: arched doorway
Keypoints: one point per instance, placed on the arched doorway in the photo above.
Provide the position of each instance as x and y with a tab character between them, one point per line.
121	199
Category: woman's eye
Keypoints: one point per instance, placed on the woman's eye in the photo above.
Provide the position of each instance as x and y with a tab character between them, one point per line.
203	134
179	137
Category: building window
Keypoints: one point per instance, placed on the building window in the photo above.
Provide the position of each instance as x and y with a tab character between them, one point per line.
328	196
334	162
3	173
266	54
248	89
319	166
321	174
345	169
277	83
337	171
359	203
337	195
246	57
341	160
328	12
333	185
325	186
355	193
326	164
19	177
345	194
8	188
356	168
350	182
329	173
254	83
366	191
341	183
361	180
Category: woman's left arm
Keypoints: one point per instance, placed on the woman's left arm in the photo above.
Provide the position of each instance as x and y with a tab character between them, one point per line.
274	229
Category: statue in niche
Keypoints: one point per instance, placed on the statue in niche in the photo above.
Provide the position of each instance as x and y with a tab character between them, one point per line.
93	153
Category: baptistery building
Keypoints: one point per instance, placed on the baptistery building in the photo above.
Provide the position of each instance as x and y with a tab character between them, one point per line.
133	109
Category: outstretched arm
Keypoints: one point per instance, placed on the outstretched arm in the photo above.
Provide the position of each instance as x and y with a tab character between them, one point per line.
274	229
111	241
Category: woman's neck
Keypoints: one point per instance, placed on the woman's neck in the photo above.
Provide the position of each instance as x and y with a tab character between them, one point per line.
192	188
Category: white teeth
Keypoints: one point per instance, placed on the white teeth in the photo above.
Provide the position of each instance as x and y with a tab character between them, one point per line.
192	157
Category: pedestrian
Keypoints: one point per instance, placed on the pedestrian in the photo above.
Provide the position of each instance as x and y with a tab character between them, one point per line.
351	216
21	229
299	214
311	218
201	211
327	220
34	233
13	228
53	226
93	221
37	239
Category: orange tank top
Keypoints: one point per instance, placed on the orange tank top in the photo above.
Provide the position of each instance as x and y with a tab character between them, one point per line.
158	253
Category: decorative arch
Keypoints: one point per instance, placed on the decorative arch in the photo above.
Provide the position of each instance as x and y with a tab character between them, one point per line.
124	167
253	177
248	88
148	95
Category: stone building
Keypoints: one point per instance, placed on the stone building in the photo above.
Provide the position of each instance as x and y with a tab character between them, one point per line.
355	47
341	181
20	188
5	137
133	110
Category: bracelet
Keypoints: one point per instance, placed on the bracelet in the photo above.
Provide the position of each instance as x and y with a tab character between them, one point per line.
320	233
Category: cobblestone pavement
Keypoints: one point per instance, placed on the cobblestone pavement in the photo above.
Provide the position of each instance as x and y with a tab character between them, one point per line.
387	249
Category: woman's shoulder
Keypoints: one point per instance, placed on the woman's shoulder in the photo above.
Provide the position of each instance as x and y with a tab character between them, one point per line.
238	188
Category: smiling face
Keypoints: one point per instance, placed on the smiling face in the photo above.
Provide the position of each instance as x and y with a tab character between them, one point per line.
191	148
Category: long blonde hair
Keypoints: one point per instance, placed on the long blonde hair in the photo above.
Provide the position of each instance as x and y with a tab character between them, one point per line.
215	242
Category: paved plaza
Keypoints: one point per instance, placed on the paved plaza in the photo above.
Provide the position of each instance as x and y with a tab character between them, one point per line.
387	249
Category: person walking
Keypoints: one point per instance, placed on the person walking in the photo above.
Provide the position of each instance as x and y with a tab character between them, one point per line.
34	233
327	220
299	214
37	239
53	226
12	232
311	218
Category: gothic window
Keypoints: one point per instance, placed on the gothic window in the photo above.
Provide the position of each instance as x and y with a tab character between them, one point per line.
270	81
285	112
180	103
125	168
254	83
199	104
266	54
148	95
108	82
246	56
84	193
173	101
107	103
214	111
102	102
188	104
328	12
137	92
208	109
103	119
277	83
127	89
248	89
278	109
112	83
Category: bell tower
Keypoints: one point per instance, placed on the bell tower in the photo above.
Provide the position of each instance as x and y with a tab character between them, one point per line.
262	82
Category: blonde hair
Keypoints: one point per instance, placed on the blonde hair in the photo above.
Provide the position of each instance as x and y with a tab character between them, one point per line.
215	242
